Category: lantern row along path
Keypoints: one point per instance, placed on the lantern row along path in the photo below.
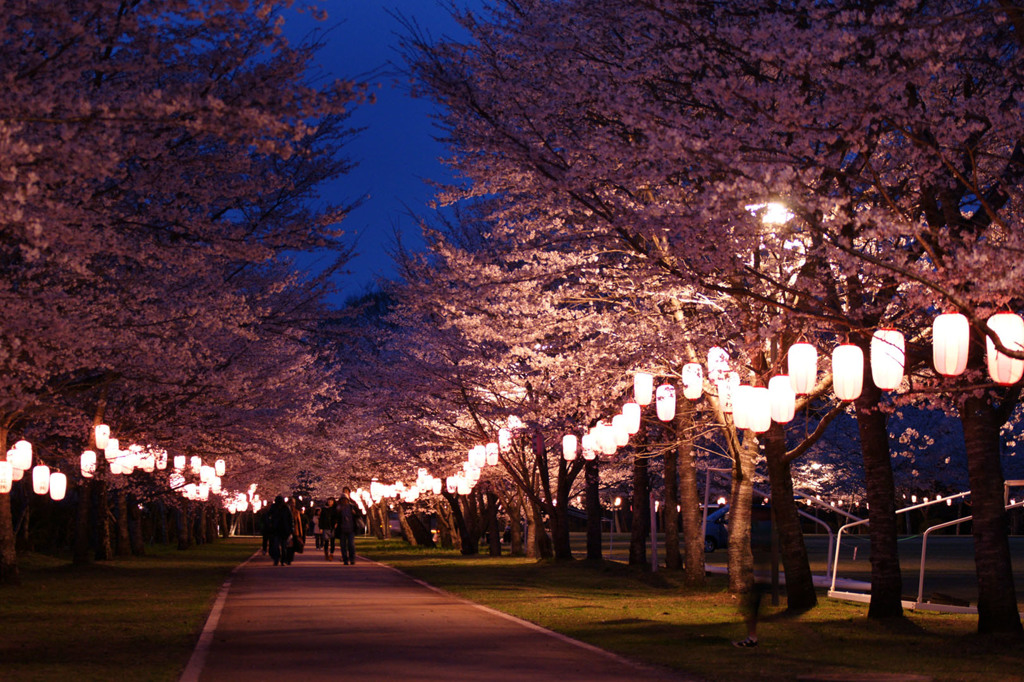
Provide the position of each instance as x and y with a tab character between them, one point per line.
319	620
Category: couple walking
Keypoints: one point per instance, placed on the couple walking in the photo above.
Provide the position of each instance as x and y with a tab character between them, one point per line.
338	522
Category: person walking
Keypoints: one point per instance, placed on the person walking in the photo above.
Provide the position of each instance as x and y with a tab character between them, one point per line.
327	528
297	533
318	536
345	517
277	529
761	552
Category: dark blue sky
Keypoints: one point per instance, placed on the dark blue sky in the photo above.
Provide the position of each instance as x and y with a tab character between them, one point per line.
396	153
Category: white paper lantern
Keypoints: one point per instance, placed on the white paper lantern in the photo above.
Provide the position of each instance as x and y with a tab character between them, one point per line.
215	485
802	364
88	464
631	412
147	461
847	371
102	434
504	439
1003	369
569	443
219	467
112	450
666	402
161	460
951	337
17	474
41	479
606	437
620	430
741	406
718	364
206	474
759	409
196	464
888	355
727	390
203	492
129	459
179	462
782	397
643	388
436	485
589	446
6	477
693	381
115	466
58	486
493	454
20	456
478	456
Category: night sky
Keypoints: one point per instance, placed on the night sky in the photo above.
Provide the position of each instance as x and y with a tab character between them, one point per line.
397	151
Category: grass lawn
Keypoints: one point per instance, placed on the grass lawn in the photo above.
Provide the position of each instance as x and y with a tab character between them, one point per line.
135	618
651	617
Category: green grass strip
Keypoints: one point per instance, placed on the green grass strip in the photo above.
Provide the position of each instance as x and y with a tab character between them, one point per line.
653	618
134	618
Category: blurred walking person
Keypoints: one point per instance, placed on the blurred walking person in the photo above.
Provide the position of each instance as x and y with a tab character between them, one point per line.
345	516
327	523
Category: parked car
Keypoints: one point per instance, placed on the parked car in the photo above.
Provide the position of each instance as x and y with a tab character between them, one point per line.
716	534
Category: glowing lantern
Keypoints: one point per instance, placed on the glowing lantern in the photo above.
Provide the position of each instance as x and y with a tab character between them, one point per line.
606	437
179	462
589	445
740	407
727	390
620	431
58	486
20	456
1003	369
693	381
17	474
102	435
782	398
493	454
802	363
643	388
464	487
666	402
206	474
215	485
196	464
478	456
450	484
129	460
504	439
759	409
113	449
569	443
847	371
888	354
41	479
951	335
219	467
88	462
631	412
161	460
147	461
718	364
6	477
115	466
436	485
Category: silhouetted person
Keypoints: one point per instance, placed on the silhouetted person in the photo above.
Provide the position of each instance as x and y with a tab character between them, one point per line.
318	536
278	529
327	523
345	514
761	549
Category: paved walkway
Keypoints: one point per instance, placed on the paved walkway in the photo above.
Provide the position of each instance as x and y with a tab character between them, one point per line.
319	620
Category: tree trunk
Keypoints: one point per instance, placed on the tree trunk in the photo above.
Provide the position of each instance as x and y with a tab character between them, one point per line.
558	513
444	525
493	531
135	541
468	546
689	503
420	528
886	578
741	560
383	520
8	554
800	594
673	558
514	508
81	555
592	476
641	512
124	543
210	516
104	546
407	533
997	596
538	543
181	516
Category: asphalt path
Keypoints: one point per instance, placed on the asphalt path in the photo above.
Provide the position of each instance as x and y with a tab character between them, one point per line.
319	620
